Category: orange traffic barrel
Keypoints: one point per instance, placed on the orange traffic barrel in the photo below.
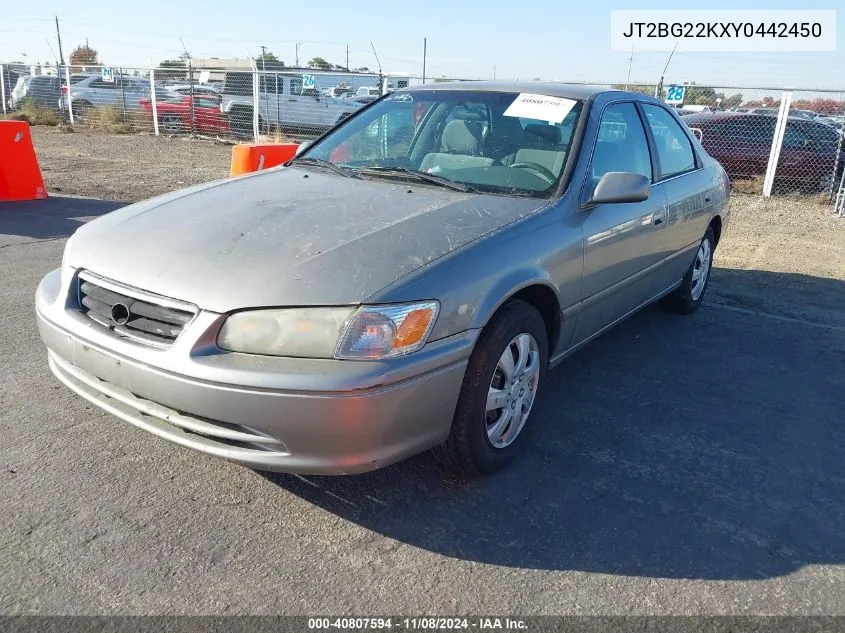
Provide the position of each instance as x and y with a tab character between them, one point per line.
20	176
249	157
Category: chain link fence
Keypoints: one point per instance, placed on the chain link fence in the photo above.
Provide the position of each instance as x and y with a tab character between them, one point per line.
770	141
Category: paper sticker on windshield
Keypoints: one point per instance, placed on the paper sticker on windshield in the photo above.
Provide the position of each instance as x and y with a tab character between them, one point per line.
402	97
540	107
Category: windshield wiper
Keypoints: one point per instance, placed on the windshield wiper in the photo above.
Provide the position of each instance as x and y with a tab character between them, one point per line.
418	175
319	162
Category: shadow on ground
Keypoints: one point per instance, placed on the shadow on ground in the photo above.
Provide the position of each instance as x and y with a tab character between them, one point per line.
708	446
54	217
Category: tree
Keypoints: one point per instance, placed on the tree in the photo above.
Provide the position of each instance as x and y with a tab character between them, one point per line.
83	56
267	56
734	101
362	69
319	62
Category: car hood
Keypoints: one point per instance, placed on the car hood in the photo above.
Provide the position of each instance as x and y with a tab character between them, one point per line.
287	236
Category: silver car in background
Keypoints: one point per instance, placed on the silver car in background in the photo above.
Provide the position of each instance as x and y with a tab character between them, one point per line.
404	283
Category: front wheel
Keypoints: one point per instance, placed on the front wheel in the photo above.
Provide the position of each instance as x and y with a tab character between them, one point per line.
690	294
499	390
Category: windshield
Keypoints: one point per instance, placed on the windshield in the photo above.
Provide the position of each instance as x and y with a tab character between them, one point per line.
490	141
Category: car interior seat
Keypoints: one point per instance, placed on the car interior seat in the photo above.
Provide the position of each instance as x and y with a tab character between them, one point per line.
543	146
460	148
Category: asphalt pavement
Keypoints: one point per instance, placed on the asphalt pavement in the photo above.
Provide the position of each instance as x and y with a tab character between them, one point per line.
678	465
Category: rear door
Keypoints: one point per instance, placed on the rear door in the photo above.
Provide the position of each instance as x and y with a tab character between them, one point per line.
622	241
303	104
686	185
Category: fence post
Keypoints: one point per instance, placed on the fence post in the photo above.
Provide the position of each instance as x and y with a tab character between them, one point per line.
153	101
191	87
777	142
69	104
3	86
836	162
255	105
122	92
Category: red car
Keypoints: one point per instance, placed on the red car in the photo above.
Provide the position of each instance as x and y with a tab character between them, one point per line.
174	115
741	143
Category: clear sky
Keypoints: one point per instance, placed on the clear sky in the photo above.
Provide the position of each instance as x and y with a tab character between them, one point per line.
549	39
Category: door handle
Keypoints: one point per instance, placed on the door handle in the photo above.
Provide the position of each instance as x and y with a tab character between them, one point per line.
658	218
291	99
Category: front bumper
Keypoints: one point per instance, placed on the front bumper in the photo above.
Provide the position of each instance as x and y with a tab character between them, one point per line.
269	413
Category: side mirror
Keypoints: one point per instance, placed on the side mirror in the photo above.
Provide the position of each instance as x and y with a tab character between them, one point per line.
302	147
620	186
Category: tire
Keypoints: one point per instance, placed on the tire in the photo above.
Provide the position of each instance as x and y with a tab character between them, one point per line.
689	295
469	446
240	122
171	124
81	110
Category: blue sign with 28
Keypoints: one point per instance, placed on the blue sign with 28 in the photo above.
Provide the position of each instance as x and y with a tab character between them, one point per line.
675	94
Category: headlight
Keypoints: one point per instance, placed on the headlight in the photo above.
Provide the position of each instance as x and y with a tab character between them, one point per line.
385	331
364	333
300	332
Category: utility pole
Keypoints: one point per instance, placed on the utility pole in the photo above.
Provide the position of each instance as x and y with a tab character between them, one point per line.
630	63
297	54
425	47
494	71
347	58
263	57
59	38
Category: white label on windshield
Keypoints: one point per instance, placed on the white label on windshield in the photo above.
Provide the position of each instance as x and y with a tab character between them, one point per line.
540	107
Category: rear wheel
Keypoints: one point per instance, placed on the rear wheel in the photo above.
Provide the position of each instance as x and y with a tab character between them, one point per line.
81	110
690	294
240	122
171	124
498	392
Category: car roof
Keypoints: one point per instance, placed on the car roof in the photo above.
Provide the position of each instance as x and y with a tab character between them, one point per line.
549	88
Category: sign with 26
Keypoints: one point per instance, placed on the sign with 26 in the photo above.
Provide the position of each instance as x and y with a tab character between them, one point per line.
675	95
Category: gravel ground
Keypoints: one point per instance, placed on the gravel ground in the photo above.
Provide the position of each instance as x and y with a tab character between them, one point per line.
125	167
681	465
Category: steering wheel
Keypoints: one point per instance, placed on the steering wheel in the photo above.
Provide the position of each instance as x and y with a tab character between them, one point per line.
538	169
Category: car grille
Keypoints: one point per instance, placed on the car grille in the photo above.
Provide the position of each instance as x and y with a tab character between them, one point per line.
131	313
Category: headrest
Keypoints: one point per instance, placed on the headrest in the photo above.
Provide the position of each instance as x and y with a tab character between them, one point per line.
549	133
461	137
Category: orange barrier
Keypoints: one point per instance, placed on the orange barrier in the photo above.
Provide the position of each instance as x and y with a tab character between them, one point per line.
249	157
20	176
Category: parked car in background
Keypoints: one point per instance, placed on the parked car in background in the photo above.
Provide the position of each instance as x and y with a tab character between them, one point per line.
340	314
174	114
42	91
741	142
19	91
90	90
368	91
285	101
199	90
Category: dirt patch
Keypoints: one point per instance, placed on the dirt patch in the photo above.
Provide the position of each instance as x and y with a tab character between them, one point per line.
126	168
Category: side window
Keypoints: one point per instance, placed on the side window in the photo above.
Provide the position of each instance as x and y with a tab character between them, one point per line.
622	144
674	151
296	85
793	137
99	83
267	83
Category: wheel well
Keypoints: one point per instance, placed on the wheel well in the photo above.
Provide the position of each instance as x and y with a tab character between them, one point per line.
716	225
545	301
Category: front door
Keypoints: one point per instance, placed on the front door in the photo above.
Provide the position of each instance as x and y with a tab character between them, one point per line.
622	251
